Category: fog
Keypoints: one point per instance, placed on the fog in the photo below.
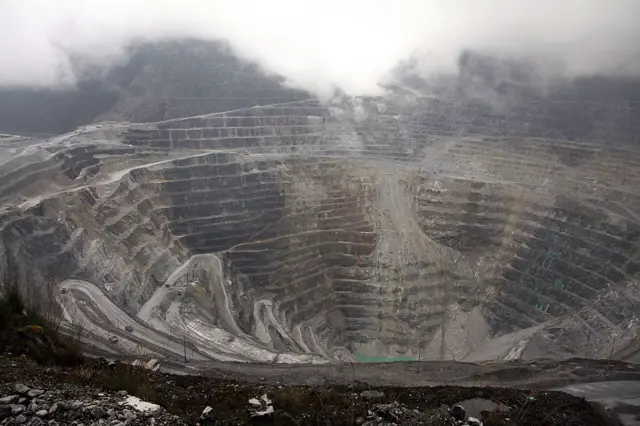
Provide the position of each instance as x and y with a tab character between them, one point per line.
352	44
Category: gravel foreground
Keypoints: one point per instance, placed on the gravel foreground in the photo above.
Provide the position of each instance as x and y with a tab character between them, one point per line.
101	393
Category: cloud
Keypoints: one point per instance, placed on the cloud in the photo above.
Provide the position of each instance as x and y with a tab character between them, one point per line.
352	44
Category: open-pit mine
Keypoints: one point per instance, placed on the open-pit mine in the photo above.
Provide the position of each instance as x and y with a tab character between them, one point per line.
298	231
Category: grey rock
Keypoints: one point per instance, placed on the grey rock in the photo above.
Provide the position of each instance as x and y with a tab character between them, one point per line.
472	421
72	415
128	415
22	400
34	393
17	409
20	419
123	393
42	413
21	389
53	408
458	412
372	395
98	412
9	399
5	411
208	416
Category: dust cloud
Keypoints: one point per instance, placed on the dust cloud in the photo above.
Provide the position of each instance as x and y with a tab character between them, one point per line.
350	44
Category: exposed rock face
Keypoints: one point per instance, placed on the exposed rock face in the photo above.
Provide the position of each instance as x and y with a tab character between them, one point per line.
299	232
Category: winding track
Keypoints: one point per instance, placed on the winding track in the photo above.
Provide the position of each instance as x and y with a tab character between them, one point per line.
163	332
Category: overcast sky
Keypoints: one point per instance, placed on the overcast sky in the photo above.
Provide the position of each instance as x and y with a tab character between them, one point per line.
351	43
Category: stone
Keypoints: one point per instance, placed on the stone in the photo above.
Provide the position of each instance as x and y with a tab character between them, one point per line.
42	413
372	395
20	419
72	415
140	405
34	393
153	364
9	399
21	389
261	408
54	408
128	415
5	411
458	412
98	412
17	409
208	416
472	421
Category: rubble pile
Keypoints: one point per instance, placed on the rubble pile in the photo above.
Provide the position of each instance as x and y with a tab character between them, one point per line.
76	405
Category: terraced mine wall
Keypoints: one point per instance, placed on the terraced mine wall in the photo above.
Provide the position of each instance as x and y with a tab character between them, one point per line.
273	232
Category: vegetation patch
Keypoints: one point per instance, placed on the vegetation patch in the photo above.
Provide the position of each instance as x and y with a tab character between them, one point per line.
26	331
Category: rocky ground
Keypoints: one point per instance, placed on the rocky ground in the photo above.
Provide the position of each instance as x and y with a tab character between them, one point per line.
67	404
101	393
